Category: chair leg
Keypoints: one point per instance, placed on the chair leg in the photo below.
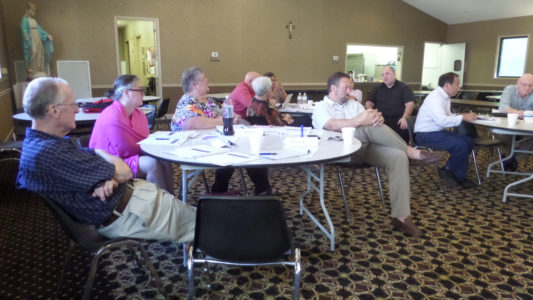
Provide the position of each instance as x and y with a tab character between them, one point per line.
90	279
476	166
66	262
205	182
297	275
441	187
151	268
243	182
341	182
190	269
380	186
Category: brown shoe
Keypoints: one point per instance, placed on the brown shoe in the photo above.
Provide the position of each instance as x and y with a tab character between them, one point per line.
407	227
427	157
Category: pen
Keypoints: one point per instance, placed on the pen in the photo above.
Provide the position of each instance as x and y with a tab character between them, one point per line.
236	155
268	153
171	133
301	131
200	150
174	141
162	139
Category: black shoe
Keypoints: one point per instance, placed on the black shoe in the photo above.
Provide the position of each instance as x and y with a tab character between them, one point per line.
510	164
447	176
466	183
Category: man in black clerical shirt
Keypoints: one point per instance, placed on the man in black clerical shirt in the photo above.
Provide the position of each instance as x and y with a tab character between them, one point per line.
395	100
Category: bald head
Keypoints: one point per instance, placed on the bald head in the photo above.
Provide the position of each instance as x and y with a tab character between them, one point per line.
249	77
388	75
525	85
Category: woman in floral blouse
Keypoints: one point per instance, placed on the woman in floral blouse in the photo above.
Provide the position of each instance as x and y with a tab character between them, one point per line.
196	111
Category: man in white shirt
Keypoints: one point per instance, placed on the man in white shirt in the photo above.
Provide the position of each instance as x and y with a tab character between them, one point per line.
381	146
434	116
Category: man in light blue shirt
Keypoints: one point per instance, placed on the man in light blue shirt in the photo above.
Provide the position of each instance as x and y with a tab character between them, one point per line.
432	120
518	98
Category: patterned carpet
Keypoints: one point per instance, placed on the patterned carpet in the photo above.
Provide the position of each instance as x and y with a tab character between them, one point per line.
473	247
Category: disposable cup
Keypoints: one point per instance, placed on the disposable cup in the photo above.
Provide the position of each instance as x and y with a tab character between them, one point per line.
511	119
256	140
347	135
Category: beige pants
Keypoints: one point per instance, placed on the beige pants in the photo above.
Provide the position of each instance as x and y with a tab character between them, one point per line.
382	147
152	213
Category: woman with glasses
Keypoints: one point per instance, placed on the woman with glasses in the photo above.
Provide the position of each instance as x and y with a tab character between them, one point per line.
122	125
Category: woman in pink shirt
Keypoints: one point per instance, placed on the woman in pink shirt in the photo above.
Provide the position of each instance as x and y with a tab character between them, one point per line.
122	125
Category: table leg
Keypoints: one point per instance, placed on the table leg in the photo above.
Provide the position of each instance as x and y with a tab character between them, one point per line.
311	185
510	185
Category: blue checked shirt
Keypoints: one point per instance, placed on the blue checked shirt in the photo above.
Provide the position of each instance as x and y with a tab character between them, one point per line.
67	174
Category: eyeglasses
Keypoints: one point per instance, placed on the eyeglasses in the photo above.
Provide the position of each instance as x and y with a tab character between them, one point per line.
141	90
68	104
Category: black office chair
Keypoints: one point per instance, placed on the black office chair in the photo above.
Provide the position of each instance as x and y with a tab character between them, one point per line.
242	231
411	128
91	240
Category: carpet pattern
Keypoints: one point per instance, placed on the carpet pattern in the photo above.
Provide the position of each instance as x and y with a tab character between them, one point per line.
473	247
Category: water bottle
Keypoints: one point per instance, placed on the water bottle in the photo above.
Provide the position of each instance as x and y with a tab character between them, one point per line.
299	99
227	116
304	98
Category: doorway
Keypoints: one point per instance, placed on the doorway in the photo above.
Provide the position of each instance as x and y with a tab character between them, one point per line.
367	61
138	51
439	59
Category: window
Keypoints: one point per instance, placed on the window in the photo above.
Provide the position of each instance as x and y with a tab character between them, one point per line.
512	55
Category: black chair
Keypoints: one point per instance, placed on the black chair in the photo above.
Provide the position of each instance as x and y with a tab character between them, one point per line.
242	231
160	115
91	240
258	120
488	141
150	116
83	140
411	128
349	165
9	166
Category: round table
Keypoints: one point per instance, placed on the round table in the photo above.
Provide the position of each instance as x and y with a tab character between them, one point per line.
330	149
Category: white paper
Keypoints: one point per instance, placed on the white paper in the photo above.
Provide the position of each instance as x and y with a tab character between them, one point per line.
228	158
197	151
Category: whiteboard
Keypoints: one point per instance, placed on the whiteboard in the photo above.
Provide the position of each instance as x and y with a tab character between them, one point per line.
78	75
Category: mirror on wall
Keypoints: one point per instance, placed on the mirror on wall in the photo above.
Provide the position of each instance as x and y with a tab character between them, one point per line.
367	61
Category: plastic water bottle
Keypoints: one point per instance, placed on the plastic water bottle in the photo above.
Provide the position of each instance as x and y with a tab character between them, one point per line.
227	117
304	98
299	99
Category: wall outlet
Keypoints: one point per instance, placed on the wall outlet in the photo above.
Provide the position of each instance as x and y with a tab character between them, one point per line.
214	54
335	59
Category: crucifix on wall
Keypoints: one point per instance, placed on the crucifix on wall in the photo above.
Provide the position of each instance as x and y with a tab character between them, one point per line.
291	27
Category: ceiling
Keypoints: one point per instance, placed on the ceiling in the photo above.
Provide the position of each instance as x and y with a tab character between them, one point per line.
465	11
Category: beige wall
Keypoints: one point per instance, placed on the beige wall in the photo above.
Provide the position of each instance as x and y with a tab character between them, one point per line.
482	43
6	107
247	34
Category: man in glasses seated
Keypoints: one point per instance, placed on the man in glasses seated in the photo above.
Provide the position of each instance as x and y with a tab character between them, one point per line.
92	186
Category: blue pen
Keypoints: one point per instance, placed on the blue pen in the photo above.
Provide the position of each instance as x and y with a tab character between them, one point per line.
268	153
301	130
162	139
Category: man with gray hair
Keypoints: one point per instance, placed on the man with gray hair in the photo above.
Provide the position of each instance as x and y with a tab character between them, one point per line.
91	185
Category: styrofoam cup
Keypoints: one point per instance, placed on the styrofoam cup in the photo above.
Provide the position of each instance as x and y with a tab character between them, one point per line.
347	135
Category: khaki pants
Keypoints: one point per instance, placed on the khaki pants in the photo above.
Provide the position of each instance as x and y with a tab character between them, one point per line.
153	213
382	147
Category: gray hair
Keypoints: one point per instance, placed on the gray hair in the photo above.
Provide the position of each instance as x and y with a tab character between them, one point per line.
122	83
261	85
190	77
40	94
